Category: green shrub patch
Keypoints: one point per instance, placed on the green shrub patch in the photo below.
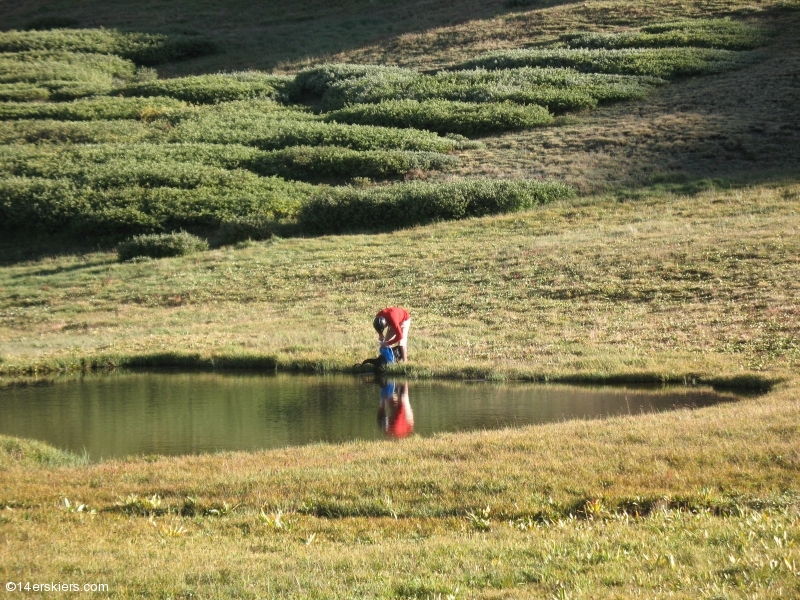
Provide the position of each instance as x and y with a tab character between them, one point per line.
326	162
559	90
701	33
40	131
444	116
60	75
142	48
656	62
23	92
210	89
382	208
94	109
275	132
161	245
190	166
313	82
62	205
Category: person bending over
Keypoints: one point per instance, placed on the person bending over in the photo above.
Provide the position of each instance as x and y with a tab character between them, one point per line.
392	325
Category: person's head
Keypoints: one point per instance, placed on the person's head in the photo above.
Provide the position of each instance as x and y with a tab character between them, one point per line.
379	324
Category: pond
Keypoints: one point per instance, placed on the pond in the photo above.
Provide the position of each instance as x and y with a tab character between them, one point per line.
188	413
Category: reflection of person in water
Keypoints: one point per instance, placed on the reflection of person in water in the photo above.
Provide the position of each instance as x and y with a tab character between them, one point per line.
394	415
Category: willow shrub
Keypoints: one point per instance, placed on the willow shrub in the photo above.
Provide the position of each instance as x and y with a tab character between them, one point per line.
210	89
142	48
324	162
313	82
193	165
160	245
61	205
23	92
94	109
702	33
444	116
559	90
32	131
338	210
60	75
273	133
656	62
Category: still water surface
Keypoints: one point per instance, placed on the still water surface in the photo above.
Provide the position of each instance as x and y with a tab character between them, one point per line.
188	413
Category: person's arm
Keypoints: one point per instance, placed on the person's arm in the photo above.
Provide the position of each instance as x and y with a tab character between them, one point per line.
391	340
397	334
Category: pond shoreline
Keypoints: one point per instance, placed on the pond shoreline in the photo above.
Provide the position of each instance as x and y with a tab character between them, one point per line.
10	373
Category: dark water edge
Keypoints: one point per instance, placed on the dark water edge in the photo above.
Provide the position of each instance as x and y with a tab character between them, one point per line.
174	413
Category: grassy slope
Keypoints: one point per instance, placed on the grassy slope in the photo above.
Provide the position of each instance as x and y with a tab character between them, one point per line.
553	292
663	285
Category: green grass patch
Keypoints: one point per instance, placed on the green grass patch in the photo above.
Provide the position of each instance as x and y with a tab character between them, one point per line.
445	116
160	245
405	205
701	33
142	48
657	62
32	453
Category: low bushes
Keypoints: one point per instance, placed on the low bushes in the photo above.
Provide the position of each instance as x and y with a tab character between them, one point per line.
61	205
93	109
273	133
188	166
403	205
557	89
656	62
35	131
39	67
23	92
210	89
702	33
60	75
315	81
142	48
253	207
311	163
444	116
161	245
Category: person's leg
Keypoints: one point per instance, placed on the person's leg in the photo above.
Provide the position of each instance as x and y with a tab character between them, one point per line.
404	327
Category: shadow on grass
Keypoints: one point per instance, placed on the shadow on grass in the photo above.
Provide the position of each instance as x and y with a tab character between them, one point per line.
253	36
20	246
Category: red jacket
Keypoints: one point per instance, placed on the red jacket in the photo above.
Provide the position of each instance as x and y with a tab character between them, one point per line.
394	315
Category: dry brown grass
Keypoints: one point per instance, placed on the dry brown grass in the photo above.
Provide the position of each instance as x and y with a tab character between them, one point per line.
741	125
